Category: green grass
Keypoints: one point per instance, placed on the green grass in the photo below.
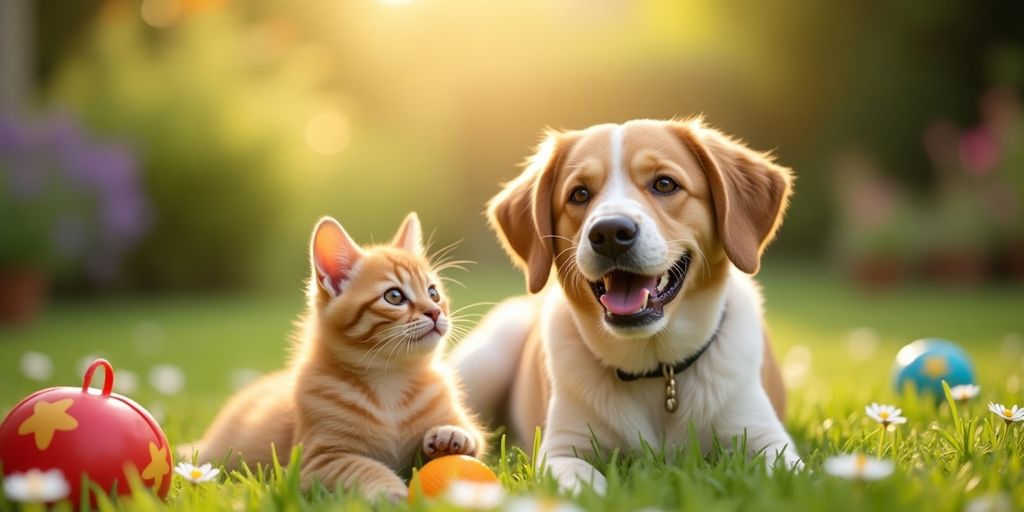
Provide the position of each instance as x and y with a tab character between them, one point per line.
943	459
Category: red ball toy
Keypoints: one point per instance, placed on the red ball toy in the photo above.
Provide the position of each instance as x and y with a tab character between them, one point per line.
86	432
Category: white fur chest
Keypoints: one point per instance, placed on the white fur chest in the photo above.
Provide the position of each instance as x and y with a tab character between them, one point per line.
627	414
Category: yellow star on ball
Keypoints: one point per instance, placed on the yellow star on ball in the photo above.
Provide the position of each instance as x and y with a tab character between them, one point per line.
158	465
936	367
47	418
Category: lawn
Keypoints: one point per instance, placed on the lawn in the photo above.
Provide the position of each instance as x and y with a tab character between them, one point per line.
836	344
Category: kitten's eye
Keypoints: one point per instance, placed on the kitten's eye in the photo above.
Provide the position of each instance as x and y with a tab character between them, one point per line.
579	195
665	185
394	296
434	294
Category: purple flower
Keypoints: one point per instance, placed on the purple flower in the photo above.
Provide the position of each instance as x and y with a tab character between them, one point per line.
88	192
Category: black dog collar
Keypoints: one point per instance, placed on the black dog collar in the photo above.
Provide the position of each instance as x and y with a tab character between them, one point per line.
676	368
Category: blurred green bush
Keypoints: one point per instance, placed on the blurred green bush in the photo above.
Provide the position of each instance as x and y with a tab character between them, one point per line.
215	127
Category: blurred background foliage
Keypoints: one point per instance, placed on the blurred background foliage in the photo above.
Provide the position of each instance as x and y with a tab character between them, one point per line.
248	119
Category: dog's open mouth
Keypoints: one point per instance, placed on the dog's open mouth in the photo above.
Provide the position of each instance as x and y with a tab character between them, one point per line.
634	300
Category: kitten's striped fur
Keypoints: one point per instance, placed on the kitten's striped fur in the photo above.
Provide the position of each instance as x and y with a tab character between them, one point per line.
366	388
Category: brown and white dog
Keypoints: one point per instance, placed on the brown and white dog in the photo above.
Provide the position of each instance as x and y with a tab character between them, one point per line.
653	229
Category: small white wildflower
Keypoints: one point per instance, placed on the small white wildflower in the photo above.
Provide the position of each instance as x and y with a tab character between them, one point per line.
862	343
35	486
126	382
885	414
475	495
964	392
197	474
858	467
540	505
990	503
1007	414
85	361
167	379
36	365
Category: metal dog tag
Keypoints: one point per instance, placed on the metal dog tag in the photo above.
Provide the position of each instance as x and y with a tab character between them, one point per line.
671	403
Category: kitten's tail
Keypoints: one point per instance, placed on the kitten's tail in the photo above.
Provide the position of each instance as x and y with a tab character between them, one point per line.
487	359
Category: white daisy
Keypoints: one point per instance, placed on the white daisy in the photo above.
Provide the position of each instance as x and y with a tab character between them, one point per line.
197	474
858	467
964	392
126	382
475	495
990	503
167	379
1007	414
85	361
36	365
540	505
35	486
885	414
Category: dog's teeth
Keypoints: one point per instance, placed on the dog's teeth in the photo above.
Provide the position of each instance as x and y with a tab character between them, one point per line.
663	282
647	300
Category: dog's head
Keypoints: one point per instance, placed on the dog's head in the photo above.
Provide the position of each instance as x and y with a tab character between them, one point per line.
634	216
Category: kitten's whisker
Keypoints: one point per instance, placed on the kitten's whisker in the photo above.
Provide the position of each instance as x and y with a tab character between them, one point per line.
473	305
446	279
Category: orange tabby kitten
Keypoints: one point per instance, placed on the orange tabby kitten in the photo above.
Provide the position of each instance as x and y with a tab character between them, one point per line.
366	388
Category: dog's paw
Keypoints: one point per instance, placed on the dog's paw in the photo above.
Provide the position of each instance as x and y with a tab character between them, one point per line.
448	440
573	475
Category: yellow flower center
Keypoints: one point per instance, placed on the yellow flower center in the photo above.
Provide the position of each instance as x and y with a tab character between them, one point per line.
1008	413
196	474
35	484
860	461
884	415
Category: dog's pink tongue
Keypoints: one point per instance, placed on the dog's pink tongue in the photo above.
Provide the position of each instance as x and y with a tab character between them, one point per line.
625	293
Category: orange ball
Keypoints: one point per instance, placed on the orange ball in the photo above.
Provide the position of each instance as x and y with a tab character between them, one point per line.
435	476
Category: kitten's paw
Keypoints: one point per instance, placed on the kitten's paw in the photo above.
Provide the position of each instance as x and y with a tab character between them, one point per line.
448	440
395	496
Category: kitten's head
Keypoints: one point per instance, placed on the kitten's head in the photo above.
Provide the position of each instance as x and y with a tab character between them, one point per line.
383	299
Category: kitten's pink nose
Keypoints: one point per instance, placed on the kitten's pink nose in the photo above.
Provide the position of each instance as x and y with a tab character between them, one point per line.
434	314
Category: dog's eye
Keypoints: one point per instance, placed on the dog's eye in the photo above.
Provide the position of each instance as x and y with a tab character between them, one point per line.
394	296
434	294
665	185
579	195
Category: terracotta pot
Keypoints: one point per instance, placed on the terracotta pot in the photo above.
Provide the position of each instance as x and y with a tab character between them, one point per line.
23	292
957	267
1014	261
879	272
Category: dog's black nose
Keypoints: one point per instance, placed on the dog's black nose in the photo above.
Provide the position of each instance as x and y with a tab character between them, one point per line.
612	236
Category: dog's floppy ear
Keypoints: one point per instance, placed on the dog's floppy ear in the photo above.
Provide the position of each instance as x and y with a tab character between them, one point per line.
521	212
750	191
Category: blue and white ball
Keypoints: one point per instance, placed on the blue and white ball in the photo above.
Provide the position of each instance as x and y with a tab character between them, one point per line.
925	363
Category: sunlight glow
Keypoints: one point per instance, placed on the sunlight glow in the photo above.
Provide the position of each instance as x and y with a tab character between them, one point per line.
160	13
328	131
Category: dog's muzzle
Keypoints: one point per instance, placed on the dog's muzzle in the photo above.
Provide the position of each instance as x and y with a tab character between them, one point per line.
636	300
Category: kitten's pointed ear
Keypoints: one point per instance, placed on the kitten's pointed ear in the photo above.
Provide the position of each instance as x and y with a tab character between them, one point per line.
334	253
410	234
